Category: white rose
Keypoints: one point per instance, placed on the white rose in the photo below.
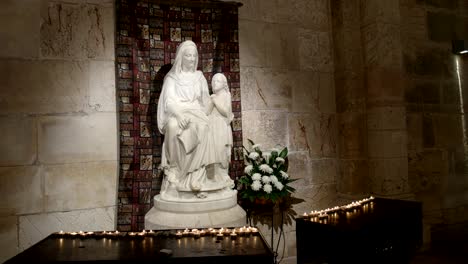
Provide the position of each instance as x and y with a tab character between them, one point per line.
284	174
256	176
253	155
248	169
273	179
267	188
265	179
279	185
256	185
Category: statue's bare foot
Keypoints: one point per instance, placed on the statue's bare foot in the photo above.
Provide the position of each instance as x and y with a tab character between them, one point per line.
171	175
195	187
230	183
202	195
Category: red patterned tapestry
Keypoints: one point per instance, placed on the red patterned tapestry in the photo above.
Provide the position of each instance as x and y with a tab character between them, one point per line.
147	35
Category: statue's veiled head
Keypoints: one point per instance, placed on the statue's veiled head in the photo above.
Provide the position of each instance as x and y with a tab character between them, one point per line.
186	57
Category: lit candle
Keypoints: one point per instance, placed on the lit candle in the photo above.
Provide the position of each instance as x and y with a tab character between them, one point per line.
233	235
59	234
101	234
202	232
254	231
322	216
141	234
213	232
196	234
186	232
73	233
194	231
132	234
247	231
179	234
219	236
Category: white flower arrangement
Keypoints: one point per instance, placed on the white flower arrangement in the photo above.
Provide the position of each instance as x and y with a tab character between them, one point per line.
265	174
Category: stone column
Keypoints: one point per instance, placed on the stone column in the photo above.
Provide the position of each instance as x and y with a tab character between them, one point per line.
386	116
352	179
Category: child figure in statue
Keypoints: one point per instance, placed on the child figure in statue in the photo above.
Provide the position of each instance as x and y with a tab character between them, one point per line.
221	117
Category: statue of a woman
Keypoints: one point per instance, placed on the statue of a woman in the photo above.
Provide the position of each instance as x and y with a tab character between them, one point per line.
188	148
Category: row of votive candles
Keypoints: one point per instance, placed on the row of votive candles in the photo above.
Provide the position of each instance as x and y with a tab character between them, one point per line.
219	233
241	231
333	210
105	234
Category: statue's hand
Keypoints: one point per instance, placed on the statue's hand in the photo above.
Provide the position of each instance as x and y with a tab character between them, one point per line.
183	122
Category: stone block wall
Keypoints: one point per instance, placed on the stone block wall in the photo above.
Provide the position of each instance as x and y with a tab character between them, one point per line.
386	126
351	103
58	159
366	95
436	93
288	96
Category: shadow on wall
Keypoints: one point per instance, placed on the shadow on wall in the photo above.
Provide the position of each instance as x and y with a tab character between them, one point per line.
157	138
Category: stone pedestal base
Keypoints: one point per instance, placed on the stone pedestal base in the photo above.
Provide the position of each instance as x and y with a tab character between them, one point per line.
180	215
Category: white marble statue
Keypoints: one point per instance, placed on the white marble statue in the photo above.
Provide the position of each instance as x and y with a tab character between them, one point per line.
196	190
191	151
221	117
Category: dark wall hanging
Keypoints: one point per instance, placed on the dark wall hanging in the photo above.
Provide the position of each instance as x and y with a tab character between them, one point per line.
147	35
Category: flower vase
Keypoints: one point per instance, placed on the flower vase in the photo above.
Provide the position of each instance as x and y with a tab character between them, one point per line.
263	202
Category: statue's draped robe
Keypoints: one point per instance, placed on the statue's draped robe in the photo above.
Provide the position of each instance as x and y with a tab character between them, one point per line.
185	153
220	129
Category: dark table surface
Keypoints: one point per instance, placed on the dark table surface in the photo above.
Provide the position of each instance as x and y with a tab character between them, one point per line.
376	211
381	231
124	249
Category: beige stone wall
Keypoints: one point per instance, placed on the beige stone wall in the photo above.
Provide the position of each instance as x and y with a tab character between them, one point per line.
365	94
436	92
58	120
351	102
288	95
386	116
